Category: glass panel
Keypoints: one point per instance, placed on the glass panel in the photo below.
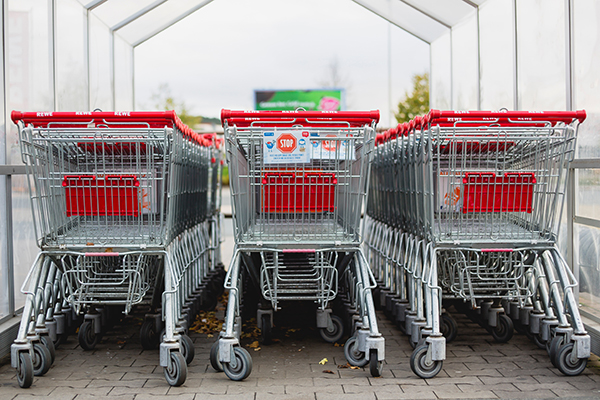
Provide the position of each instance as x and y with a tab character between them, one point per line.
4	281
123	75
24	243
29	64
497	55
465	84
589	269
586	70
450	12
100	66
71	73
588	193
440	96
541	54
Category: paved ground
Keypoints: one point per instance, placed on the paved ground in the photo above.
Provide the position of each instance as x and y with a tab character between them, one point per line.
476	367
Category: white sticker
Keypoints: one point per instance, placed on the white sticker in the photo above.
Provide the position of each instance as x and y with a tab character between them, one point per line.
283	147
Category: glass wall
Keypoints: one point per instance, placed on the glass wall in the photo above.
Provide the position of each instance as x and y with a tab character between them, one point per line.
465	66
440	93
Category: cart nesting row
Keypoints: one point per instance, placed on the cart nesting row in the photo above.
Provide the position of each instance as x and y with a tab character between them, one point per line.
298	183
126	213
464	209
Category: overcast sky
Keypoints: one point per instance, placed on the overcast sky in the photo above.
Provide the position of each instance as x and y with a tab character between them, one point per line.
216	57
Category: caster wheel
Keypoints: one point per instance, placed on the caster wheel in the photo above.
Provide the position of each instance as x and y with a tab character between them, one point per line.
187	348
241	368
566	365
503	331
87	337
537	339
41	359
448	327
176	372
214	357
420	366
519	327
149	336
553	346
50	346
354	356
335	334
375	366
266	332
25	370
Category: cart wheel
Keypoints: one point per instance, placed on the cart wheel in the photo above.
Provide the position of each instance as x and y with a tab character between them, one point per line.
266	332
503	331
148	335
354	356
50	346
41	359
61	338
539	342
335	334
87	337
553	346
519	327
241	368
420	366
187	348
449	327
176	372
214	357
25	370
375	366
566	365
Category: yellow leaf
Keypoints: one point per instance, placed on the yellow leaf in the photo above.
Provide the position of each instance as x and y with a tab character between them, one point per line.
323	361
253	345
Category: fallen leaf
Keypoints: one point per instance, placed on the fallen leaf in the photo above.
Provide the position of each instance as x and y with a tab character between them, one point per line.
344	366
328	371
257	349
323	361
353	367
254	344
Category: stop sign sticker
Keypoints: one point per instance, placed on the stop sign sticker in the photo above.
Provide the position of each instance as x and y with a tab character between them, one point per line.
289	146
287	143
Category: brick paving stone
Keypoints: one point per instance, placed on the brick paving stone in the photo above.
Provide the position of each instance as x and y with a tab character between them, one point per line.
182	396
27	396
259	390
538	394
94	397
267	396
351	396
99	391
124	390
483	394
101	383
331	389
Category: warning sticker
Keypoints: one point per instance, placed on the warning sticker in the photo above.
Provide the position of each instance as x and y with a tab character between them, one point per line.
282	147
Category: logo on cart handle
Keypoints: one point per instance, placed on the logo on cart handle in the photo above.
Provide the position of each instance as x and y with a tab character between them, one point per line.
286	143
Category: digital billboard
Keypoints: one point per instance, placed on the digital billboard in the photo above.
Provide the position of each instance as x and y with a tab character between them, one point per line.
290	100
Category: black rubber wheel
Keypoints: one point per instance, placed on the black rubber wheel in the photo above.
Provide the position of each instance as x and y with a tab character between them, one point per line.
25	370
50	346
503	331
537	339
176	372
354	356
241	368
334	335
375	366
566	365
214	357
148	335
553	346
266	332
419	365
41	359
87	337
187	348
449	327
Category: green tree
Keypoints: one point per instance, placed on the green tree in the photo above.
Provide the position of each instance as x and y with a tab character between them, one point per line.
416	103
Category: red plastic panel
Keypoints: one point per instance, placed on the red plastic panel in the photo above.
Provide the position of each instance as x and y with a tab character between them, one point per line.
121	148
486	192
112	195
288	192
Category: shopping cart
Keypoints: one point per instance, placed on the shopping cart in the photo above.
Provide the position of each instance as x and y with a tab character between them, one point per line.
122	205
478	201
298	180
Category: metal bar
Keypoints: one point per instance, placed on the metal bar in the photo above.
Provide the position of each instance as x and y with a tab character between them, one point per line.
585	163
136	15
12	170
362	4
570	228
93	4
171	22
569	53
427	14
586	221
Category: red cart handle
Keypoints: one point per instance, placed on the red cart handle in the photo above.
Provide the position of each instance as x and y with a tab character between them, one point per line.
246	118
116	119
444	117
